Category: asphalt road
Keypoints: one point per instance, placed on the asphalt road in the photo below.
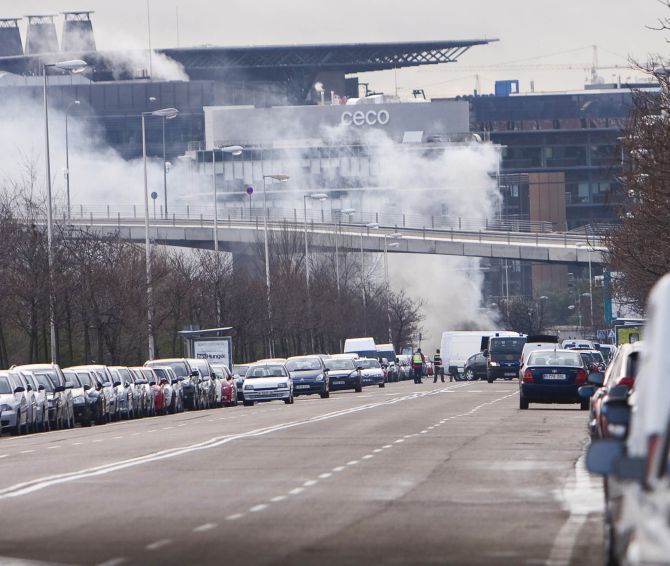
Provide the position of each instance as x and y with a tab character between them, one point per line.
449	473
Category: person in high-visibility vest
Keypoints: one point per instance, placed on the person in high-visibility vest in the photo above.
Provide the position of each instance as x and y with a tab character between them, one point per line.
418	360
438	368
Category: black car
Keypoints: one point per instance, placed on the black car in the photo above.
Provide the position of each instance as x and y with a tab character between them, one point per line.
309	375
475	367
343	374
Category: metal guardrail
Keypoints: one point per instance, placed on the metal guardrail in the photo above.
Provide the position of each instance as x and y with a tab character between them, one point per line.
315	214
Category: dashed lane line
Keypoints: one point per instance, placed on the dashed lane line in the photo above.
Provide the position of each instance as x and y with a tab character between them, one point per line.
205	527
158	544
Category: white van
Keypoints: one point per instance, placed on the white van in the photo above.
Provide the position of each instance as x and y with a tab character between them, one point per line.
538	342
457	346
364	347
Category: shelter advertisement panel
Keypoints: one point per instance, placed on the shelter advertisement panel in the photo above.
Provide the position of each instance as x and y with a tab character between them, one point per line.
214	350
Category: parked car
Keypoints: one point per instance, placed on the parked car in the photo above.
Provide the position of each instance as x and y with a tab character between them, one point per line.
170	387
553	376
13	405
309	375
207	386
228	386
239	371
143	379
619	379
475	367
61	406
188	376
96	395
371	371
126	397
41	402
267	382
404	367
387	358
343	374
85	407
31	402
103	377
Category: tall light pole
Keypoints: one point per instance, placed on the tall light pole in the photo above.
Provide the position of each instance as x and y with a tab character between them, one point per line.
374	226
67	155
320	197
586	246
73	66
166	113
234	150
276	177
394	235
349	212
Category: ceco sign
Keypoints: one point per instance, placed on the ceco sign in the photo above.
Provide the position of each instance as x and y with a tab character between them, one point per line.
365	117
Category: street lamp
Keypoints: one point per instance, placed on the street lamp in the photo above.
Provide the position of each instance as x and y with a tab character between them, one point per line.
587	247
234	150
320	197
281	177
372	226
167	113
165	201
394	235
349	212
73	66
67	155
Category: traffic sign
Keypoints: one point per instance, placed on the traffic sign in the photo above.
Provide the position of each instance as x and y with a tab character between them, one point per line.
154	195
601	334
611	334
250	190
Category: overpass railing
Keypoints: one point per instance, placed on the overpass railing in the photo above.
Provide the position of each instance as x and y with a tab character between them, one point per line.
315	215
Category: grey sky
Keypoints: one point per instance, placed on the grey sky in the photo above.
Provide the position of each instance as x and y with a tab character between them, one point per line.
527	29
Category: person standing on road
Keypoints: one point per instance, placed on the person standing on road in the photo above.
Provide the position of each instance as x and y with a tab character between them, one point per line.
438	368
418	360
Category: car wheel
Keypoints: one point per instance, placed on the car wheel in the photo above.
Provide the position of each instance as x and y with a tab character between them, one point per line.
382	385
248	403
489	379
523	403
289	401
584	404
469	374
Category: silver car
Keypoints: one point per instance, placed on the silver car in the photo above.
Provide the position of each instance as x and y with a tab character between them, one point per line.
105	385
31	401
41	402
61	406
13	405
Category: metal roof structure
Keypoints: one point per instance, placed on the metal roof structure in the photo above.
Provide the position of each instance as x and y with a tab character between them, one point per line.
212	62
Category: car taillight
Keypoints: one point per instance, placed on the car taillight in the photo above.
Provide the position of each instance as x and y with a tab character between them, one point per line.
582	376
527	376
627	381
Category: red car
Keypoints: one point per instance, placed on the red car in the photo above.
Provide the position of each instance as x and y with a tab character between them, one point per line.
622	371
228	395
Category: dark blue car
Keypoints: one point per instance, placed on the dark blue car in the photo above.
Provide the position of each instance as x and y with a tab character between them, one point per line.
309	375
344	374
552	376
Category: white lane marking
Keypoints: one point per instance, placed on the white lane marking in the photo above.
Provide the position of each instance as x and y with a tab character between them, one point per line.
387	446
377	450
168	427
581	495
296	491
424	432
113	562
368	456
257	508
205	527
117	437
309	483
278	498
182	424
135	434
338	469
53	447
234	517
98	440
400	440
26	451
325	476
158	544
76	443
4	455
25	488
352	462
152	430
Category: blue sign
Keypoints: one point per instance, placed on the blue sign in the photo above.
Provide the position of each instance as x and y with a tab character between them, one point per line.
601	335
250	190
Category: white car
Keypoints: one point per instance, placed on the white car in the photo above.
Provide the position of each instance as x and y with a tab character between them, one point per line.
267	382
13	405
371	371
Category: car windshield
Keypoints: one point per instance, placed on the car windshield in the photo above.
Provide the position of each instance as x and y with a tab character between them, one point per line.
506	345
85	378
240	369
52	373
569	359
367	364
44	380
340	363
71	379
5	386
180	368
303	364
266	371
